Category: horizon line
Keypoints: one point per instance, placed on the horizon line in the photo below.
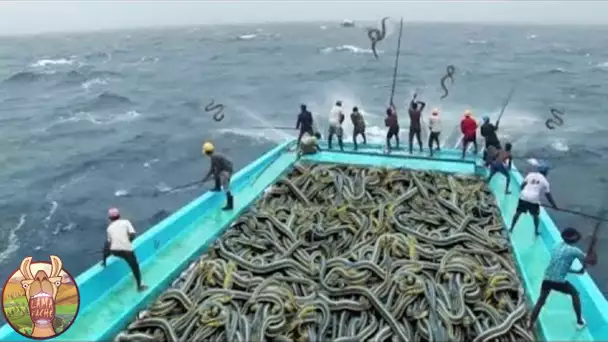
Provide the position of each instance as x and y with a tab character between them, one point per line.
178	26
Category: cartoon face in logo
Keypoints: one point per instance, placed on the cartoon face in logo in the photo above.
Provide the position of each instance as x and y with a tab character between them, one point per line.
40	300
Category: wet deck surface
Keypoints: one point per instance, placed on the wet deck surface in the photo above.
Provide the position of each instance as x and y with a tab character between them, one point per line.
118	302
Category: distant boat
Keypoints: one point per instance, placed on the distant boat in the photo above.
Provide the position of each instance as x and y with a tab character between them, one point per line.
347	23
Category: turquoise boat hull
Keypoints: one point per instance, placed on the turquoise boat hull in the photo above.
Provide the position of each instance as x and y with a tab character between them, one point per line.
109	301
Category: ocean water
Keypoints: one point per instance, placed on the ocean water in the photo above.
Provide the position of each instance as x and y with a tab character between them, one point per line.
93	120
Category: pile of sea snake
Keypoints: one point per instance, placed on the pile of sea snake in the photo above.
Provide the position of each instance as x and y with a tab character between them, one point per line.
337	253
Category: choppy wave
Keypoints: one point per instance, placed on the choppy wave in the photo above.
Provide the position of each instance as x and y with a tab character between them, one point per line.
48	62
559	71
100	120
349	48
477	42
12	242
560	145
86	85
24	77
97	56
247	36
109	99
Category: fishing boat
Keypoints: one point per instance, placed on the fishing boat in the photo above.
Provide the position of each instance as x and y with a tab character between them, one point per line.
109	301
347	23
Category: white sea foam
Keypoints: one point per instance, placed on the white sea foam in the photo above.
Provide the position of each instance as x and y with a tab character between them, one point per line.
47	62
247	36
96	120
92	82
12	242
349	48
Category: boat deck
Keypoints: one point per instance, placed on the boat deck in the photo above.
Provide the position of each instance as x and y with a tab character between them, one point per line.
109	300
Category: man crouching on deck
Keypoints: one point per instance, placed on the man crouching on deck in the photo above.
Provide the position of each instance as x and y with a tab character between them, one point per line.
309	144
221	170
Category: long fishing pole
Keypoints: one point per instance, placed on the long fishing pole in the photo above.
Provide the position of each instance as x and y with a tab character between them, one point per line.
578	213
502	111
396	63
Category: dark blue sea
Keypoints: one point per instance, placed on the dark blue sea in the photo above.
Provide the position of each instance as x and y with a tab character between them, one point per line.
94	120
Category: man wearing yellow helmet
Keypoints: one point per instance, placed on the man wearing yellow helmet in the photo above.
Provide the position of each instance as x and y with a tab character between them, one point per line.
221	170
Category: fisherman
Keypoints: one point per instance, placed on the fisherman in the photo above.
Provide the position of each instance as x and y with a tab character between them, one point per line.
305	122
336	118
468	127
435	130
488	131
501	162
358	126
309	144
535	184
221	170
120	234
560	264
415	114
392	122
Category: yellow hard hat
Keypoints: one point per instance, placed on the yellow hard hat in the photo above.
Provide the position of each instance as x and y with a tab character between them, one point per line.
208	148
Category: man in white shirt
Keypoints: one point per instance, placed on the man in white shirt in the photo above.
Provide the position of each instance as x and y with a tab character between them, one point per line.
535	184
120	235
435	130
336	118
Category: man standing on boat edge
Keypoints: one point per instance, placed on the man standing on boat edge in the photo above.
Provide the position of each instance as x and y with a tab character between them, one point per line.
221	170
304	123
468	127
120	235
562	256
488	131
434	130
392	122
358	126
415	113
535	184
336	118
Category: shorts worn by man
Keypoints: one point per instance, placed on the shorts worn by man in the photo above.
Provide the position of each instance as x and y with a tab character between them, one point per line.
120	234
535	184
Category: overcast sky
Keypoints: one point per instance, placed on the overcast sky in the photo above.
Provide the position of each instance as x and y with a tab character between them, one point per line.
18	17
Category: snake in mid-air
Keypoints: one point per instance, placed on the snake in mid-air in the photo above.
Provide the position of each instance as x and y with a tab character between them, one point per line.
376	35
450	70
556	120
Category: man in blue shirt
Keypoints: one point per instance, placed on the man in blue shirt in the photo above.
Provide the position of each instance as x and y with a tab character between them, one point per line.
562	257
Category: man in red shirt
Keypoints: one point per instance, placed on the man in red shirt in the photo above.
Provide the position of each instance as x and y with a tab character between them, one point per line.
468	127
